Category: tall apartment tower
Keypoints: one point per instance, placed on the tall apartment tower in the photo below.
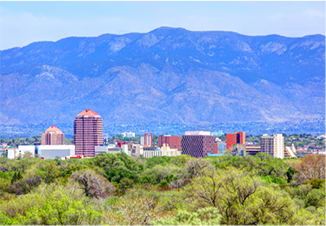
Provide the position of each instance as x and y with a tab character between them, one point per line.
53	136
147	140
171	141
198	143
272	145
88	132
235	138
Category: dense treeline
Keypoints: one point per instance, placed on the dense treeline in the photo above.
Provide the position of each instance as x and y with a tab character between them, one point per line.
118	189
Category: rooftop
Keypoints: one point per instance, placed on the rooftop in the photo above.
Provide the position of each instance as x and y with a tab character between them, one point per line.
88	111
197	133
53	128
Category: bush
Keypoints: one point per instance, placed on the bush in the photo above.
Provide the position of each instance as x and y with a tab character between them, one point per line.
206	216
94	185
316	183
51	204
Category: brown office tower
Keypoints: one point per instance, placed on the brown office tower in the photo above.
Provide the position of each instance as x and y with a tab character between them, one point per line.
53	136
88	132
173	142
198	144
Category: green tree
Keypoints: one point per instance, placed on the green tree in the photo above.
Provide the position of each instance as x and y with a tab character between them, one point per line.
28	154
125	184
117	167
49	172
240	197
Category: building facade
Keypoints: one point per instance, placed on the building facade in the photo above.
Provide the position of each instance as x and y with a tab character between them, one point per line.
128	134
111	150
221	147
22	149
146	140
53	136
253	150
272	145
150	154
52	151
12	153
171	141
198	144
88	132
235	138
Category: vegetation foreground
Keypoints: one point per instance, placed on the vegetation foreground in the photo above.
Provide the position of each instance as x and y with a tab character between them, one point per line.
118	189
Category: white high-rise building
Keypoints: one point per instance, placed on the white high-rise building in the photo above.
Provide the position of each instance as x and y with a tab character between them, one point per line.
272	145
278	146
147	140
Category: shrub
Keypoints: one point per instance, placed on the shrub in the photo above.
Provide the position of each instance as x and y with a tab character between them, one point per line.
94	185
206	216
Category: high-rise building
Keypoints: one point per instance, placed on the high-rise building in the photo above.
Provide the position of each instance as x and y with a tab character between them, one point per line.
88	132
171	141
198	144
272	145
53	136
235	138
146	140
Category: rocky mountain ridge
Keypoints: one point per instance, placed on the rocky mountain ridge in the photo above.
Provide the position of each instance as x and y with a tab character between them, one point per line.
166	75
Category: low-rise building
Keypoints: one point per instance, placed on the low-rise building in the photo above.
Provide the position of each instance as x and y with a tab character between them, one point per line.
12	153
159	152
22	149
136	150
221	147
110	149
128	134
52	151
252	150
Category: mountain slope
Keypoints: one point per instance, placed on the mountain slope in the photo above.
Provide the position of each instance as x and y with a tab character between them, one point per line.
166	75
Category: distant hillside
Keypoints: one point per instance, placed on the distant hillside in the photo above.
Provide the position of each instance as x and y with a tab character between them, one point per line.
166	75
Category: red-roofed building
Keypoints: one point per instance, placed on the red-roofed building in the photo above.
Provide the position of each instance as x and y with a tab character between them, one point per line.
88	132
121	143
88	111
53	136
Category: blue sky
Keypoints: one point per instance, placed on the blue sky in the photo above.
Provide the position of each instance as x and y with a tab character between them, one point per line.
24	22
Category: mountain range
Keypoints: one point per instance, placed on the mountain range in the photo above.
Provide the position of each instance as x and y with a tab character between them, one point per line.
166	75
